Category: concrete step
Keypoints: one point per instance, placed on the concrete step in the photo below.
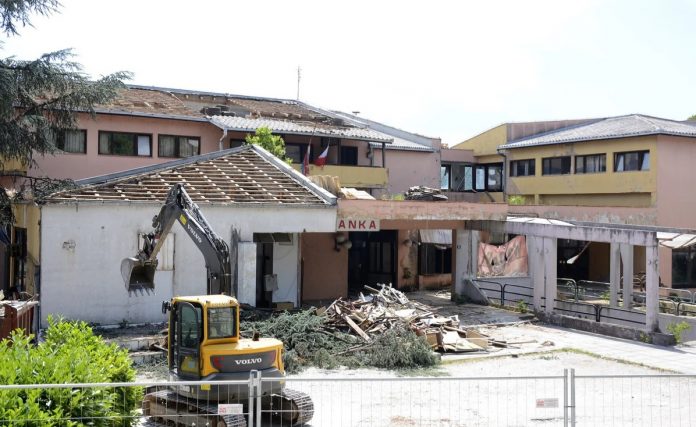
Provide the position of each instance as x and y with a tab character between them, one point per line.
142	357
138	343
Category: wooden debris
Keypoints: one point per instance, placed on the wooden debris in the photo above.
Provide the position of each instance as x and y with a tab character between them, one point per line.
382	309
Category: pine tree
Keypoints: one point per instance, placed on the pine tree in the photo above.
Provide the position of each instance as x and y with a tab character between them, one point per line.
41	98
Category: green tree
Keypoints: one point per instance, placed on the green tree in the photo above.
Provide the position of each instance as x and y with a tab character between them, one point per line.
39	99
692	118
274	144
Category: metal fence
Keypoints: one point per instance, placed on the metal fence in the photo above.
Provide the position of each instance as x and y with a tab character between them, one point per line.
554	400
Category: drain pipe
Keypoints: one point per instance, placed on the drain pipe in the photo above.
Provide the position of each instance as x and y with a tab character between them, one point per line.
503	153
224	135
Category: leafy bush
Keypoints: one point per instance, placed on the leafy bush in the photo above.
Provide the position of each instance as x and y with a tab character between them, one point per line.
71	354
678	330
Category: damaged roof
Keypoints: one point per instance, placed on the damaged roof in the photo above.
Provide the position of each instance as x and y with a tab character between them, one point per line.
608	128
237	112
247	175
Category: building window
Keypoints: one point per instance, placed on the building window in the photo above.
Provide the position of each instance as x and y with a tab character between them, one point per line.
178	146
445	177
434	259
684	268
591	164
349	156
632	161
296	152
523	167
72	141
125	144
234	143
381	257
555	165
488	177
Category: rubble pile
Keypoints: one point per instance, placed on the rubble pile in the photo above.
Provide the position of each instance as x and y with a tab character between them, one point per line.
387	308
424	193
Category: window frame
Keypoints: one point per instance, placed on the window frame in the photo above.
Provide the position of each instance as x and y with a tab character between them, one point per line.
546	171
60	141
447	170
641	160
433	261
177	145
134	152
584	158
690	253
474	168
530	167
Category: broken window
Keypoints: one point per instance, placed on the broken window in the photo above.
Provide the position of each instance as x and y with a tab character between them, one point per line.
445	177
434	259
71	141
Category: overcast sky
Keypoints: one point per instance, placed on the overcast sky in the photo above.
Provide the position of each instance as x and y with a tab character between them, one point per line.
448	69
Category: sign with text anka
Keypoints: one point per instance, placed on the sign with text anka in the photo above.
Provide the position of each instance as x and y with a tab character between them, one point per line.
357	224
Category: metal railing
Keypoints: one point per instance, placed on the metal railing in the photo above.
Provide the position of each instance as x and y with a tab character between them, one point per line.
504	293
565	399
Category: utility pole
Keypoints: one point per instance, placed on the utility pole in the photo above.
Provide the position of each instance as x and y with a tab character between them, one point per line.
299	75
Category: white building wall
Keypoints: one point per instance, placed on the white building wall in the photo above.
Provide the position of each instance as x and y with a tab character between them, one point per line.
85	283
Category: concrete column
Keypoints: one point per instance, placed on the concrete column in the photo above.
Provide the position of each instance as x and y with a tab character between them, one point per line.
614	273
535	248
550	271
462	259
466	258
652	300
627	262
246	273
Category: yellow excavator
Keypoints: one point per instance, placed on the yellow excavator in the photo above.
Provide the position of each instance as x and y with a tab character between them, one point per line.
204	342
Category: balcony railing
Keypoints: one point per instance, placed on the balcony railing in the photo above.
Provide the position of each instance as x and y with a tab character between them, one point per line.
352	176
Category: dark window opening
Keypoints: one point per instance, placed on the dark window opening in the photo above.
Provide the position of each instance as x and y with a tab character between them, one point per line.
349	156
125	144
434	259
523	167
684	268
555	165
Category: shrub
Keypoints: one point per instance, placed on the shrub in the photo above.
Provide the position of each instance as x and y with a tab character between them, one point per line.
71	354
678	329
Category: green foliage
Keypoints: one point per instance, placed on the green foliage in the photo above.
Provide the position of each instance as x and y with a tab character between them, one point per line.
39	99
309	341
274	144
678	330
692	118
399	348
522	306
515	200
70	354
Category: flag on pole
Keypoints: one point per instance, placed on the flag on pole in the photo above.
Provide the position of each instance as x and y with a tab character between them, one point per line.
305	161
321	160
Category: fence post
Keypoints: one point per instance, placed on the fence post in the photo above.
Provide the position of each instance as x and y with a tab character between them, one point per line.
565	398
254	398
572	397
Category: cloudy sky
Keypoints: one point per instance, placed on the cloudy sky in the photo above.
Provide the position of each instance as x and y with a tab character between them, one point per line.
448	69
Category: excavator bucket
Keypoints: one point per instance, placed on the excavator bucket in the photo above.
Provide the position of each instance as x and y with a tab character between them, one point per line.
138	275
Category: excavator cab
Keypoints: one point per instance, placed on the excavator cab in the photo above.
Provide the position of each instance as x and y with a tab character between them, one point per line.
139	274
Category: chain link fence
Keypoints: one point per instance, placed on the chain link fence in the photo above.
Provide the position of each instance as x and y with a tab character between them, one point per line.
554	400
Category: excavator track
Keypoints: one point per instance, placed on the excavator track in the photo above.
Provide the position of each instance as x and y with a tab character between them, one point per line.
291	406
172	409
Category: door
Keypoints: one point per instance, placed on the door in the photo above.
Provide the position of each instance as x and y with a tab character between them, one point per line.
184	359
372	259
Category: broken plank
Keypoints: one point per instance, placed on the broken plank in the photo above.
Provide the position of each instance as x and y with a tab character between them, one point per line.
356	328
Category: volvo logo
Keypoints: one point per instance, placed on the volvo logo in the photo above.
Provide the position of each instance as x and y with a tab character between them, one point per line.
248	361
193	232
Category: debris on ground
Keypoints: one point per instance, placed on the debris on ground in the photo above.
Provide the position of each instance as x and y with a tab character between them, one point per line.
424	193
386	308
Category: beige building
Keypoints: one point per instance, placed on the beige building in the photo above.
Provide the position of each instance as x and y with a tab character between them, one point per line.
632	169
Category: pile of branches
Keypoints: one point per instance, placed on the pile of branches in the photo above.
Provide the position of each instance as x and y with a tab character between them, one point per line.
311	339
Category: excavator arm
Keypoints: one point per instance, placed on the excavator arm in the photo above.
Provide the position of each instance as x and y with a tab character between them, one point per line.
139	271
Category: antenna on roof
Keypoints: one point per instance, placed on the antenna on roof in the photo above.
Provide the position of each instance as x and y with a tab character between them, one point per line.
299	75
